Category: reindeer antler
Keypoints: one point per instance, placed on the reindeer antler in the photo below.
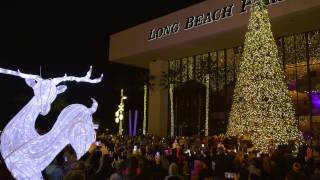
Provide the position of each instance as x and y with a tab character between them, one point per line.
85	78
19	74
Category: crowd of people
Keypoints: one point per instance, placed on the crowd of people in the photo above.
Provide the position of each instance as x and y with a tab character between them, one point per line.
149	157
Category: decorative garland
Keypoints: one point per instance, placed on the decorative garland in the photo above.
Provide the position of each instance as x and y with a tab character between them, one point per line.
171	110
145	88
207	104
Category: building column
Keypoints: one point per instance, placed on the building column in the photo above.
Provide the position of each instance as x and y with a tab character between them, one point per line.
158	100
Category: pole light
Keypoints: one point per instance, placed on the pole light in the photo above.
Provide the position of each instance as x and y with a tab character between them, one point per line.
119	115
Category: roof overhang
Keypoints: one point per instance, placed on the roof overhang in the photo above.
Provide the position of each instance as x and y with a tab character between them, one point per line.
134	47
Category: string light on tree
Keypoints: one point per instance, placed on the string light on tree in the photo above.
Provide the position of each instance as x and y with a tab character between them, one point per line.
262	108
145	92
207	79
171	87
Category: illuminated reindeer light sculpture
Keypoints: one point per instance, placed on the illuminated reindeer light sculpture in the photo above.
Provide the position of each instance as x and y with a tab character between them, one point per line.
26	153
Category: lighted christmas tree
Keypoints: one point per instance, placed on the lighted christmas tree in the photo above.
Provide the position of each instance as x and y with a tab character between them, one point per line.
262	108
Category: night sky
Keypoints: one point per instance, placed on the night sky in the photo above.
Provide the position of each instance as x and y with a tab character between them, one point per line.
68	37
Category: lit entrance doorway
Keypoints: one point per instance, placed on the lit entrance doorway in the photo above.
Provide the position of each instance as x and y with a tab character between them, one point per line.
189	108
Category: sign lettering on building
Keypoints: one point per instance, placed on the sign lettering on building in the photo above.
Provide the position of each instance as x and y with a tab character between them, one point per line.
201	20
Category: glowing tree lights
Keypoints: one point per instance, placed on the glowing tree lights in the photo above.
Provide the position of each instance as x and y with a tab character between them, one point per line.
26	153
262	108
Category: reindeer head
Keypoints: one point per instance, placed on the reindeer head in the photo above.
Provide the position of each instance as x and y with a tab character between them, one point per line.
80	127
82	135
46	90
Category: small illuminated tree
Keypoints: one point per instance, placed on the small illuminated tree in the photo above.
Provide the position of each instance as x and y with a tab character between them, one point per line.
262	108
119	113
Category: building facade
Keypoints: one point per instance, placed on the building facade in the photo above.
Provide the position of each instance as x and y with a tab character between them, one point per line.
197	51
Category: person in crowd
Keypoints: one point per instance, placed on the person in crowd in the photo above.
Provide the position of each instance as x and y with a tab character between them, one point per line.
267	167
158	171
151	157
316	172
75	175
55	170
70	159
99	164
116	176
296	173
205	174
255	173
221	162
174	173
198	167
132	168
